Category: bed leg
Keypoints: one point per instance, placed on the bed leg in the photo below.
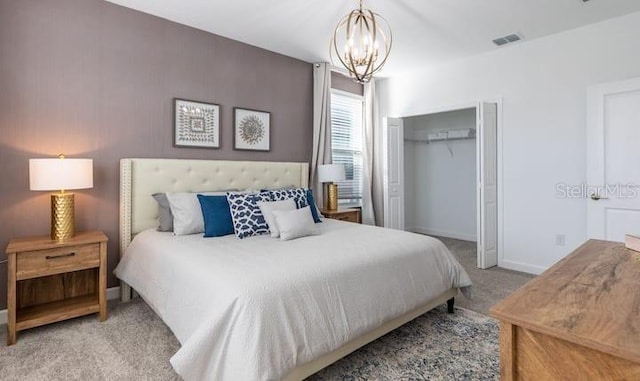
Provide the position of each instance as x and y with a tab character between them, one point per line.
125	292
450	305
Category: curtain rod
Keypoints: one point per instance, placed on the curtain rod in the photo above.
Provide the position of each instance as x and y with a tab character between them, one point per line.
336	69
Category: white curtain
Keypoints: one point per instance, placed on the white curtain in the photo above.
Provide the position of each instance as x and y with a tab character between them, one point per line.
321	126
368	126
372	196
377	190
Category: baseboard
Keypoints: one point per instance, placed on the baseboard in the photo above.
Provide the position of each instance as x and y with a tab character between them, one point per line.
511	265
440	233
522	267
112	293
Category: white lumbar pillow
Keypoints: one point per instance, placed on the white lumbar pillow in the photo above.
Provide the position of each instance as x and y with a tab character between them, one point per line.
268	207
187	213
295	223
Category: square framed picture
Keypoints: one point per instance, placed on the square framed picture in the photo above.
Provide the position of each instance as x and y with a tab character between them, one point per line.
196	124
252	129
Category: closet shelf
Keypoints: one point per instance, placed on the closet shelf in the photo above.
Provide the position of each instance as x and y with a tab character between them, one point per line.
437	140
446	135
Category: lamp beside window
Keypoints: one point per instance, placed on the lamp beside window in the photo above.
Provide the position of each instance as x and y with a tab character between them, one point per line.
61	174
328	173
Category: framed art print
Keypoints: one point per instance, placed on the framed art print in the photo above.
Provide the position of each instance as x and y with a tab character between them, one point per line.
252	129
196	124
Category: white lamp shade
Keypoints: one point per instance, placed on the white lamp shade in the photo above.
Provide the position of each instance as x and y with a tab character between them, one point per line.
60	174
331	172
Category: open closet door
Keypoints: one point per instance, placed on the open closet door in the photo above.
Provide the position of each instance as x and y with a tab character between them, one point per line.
394	174
487	141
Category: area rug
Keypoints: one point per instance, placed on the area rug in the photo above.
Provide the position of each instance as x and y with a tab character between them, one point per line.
435	346
134	344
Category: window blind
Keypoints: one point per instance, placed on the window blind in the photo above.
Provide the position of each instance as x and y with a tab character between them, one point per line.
346	144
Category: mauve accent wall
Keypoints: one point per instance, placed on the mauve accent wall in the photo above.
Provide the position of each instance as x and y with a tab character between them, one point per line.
92	79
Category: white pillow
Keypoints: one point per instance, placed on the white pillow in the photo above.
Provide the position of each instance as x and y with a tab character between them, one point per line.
295	223
268	207
187	213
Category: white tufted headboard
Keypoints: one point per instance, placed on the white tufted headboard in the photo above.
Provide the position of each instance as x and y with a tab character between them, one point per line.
140	178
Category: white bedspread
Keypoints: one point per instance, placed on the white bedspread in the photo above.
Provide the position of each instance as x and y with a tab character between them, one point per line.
254	309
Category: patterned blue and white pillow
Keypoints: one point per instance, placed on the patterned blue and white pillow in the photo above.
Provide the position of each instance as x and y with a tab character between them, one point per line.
299	196
246	215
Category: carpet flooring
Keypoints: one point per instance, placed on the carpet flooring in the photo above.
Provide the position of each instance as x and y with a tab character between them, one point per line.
489	286
134	344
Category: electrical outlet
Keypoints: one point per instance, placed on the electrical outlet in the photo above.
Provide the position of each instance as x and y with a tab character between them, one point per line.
560	239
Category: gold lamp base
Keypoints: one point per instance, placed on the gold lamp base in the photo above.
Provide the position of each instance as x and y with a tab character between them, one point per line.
332	197
62	216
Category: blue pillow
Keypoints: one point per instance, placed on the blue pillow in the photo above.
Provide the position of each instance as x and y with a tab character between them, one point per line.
245	212
312	205
217	215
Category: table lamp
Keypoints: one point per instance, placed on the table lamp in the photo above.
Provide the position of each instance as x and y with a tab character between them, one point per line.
328	173
61	174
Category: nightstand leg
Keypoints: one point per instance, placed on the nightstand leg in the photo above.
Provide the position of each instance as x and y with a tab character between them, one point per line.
11	300
102	293
11	335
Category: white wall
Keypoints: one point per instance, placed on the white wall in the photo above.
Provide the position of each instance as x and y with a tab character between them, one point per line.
440	192
543	85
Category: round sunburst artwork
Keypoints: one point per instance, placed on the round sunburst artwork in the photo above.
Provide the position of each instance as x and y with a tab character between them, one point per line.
252	129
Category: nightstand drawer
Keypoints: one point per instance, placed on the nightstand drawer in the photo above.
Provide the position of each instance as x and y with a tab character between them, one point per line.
349	217
32	264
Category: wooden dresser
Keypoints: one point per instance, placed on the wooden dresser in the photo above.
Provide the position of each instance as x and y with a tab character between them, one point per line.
579	320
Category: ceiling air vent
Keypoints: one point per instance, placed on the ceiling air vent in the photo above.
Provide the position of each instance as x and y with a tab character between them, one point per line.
507	39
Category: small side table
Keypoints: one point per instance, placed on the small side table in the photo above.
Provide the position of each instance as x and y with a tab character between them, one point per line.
350	215
50	281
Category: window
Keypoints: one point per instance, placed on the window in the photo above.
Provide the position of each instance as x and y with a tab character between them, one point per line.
346	144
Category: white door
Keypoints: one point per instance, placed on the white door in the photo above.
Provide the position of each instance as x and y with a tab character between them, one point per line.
487	173
613	160
394	174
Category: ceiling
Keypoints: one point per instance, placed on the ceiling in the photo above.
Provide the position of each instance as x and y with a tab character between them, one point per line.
425	32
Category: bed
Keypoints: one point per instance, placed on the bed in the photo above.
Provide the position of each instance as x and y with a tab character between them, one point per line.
260	308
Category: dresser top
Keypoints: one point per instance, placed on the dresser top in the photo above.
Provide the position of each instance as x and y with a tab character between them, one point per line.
591	298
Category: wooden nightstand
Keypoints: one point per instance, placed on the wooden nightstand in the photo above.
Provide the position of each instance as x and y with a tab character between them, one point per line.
50	281
350	215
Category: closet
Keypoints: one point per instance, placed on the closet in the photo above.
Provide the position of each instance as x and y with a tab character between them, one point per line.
440	168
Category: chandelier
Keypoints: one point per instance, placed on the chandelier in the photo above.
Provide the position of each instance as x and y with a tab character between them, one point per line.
361	43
